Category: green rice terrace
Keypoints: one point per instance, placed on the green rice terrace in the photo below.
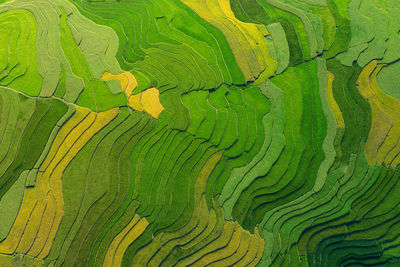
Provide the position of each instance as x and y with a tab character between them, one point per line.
199	133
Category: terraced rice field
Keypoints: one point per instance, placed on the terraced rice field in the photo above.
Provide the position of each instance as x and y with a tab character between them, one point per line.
199	133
